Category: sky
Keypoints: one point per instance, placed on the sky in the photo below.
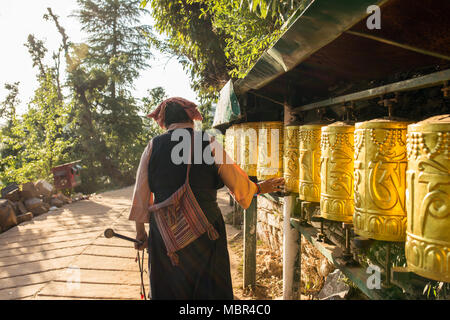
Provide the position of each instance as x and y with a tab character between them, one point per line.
20	18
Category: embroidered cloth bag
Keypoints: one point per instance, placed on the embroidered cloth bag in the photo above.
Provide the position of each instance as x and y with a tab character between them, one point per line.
180	220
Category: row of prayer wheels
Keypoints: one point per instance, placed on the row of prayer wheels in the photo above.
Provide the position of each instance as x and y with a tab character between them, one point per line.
390	178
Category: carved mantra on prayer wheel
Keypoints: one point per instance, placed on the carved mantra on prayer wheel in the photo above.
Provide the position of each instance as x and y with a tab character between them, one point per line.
270	150
336	171
249	147
428	198
380	180
309	171
290	157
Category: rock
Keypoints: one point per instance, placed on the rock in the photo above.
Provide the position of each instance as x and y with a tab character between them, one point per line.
325	268
9	188
29	191
24	217
21	208
15	208
13	195
47	199
32	203
40	210
36	206
334	287
77	197
55	202
272	266
7	216
44	188
63	198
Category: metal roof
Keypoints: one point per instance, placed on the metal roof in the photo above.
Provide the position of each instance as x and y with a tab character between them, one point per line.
329	52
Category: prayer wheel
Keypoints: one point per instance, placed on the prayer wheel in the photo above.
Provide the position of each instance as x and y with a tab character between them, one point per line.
336	171
428	198
249	148
237	143
232	142
270	150
309	170
229	142
380	180
290	157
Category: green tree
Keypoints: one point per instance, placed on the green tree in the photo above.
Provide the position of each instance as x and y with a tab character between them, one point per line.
116	39
219	39
274	8
191	37
37	51
8	106
47	140
101	74
39	139
149	103
8	139
206	109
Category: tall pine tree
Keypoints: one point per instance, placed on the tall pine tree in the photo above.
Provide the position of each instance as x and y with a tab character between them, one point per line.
119	50
116	39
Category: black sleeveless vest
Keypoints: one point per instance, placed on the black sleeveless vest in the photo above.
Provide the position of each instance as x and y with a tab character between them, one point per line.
165	177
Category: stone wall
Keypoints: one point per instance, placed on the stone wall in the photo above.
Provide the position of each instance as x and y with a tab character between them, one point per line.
270	223
315	267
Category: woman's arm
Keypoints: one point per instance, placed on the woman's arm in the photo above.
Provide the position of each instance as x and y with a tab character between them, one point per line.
142	198
142	195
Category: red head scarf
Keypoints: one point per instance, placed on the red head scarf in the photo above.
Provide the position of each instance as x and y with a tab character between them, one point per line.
188	106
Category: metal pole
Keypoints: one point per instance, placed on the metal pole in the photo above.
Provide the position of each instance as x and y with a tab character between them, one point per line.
290	248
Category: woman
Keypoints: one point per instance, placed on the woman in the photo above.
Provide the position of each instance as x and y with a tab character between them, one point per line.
203	268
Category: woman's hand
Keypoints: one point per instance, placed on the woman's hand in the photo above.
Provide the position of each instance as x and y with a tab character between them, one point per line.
141	235
271	185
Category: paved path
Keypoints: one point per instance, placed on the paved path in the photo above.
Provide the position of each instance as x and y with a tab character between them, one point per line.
43	258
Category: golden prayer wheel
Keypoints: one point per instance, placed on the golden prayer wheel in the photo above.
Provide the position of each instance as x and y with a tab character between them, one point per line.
249	148
290	158
428	198
229	142
380	179
336	171
232	142
237	143
270	150
309	161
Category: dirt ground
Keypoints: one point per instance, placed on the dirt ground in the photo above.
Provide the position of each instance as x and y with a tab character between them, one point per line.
269	266
269	270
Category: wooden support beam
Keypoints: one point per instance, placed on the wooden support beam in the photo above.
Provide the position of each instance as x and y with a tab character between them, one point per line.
296	286
250	245
290	249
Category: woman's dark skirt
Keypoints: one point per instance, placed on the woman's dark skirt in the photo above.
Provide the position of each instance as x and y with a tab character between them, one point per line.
202	274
